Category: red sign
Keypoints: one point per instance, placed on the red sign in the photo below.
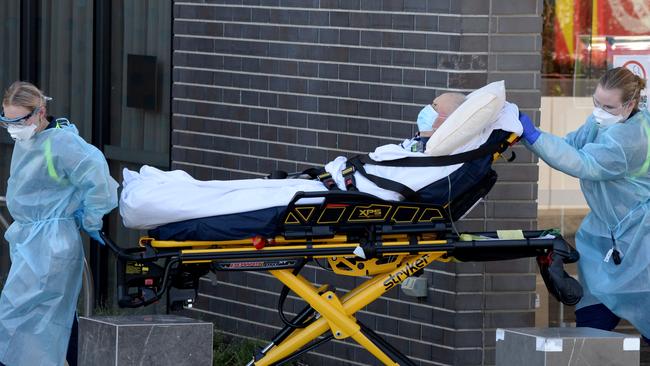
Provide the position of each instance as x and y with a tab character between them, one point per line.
622	17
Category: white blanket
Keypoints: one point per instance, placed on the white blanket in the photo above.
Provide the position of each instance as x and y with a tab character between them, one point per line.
152	197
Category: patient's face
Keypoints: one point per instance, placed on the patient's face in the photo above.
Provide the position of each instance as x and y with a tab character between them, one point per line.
444	105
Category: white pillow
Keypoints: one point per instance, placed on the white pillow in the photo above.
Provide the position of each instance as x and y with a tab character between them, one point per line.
480	109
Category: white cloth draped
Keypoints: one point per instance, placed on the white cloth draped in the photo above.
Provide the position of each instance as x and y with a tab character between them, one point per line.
152	197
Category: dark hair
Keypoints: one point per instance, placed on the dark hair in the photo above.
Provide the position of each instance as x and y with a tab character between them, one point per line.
626	81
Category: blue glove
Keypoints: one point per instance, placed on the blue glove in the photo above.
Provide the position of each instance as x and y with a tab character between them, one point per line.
95	236
531	133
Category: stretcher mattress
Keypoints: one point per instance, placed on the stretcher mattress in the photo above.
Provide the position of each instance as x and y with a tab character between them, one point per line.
266	222
151	198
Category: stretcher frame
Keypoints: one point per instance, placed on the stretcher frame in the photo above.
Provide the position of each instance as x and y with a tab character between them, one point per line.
357	233
375	245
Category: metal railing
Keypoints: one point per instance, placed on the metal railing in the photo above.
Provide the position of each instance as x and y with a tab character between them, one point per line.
87	291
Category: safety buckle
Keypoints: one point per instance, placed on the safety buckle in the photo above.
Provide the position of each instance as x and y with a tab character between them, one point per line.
324	176
348	171
348	178
328	181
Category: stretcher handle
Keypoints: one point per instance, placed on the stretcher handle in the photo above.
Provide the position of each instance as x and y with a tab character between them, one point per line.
119	252
125	254
568	253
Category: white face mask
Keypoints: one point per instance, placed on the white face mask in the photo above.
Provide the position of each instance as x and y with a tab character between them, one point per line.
606	119
22	133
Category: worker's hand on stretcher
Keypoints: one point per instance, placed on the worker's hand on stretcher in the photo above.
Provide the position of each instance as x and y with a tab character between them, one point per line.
531	133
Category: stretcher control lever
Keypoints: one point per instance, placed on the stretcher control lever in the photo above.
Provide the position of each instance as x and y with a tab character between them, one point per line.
259	242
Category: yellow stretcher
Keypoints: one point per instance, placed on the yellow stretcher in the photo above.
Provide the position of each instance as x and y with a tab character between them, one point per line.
357	234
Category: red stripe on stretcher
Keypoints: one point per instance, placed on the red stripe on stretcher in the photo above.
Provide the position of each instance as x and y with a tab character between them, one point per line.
336	205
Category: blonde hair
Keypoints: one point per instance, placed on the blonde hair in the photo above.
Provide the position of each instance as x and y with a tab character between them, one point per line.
24	94
626	81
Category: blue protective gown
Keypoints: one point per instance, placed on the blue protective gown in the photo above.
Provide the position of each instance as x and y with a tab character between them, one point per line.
55	176
612	165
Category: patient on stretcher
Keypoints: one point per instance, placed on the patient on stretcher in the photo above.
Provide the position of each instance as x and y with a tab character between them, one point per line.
452	124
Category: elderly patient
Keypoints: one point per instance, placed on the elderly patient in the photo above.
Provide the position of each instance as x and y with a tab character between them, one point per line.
431	117
151	197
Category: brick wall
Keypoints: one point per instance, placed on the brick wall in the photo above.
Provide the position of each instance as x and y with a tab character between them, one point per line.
260	85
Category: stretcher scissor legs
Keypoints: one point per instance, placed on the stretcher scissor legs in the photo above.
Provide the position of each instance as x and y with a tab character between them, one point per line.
388	253
337	315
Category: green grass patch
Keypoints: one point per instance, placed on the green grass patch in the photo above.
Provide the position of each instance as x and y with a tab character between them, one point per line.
231	351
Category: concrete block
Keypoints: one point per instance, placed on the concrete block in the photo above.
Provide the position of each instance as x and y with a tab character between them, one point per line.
145	339
565	346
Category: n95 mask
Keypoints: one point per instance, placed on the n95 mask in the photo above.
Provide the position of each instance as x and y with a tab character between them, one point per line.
22	133
606	119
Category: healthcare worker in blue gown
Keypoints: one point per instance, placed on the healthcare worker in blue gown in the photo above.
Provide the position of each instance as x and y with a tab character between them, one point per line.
610	155
58	184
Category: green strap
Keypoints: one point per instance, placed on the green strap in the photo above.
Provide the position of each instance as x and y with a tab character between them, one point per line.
646	164
50	161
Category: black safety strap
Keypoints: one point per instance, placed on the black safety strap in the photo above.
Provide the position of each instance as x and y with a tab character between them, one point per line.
328	181
384	183
425	161
314	172
348	178
356	163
